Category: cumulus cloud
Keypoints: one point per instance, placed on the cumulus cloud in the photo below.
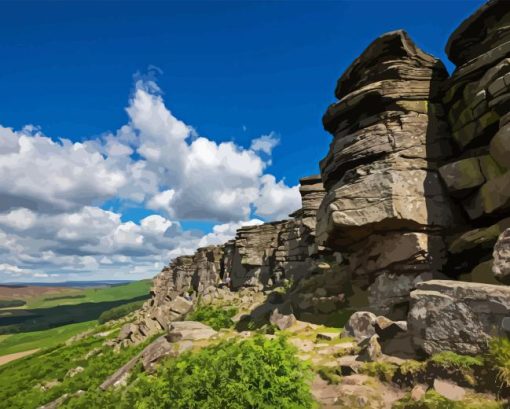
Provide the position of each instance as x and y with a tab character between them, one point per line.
265	143
276	200
54	194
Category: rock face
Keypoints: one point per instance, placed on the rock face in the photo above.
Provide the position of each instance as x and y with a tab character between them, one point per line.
415	187
457	316
477	99
501	267
253	259
260	257
385	207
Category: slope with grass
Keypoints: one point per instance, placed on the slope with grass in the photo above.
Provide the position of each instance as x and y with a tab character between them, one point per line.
49	319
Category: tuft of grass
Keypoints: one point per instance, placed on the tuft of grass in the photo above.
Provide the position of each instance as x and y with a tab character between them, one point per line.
329	374
450	359
433	400
382	370
412	367
217	318
499	357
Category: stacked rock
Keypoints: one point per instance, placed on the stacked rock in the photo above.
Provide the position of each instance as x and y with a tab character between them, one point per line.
253	259
296	243
477	98
385	208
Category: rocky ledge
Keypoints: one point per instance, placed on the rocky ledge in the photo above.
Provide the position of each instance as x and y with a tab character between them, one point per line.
408	224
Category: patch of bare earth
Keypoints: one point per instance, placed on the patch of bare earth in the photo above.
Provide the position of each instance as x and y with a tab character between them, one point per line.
12	357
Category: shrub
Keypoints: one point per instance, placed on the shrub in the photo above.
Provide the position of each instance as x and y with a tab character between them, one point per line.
121	311
255	373
499	358
216	318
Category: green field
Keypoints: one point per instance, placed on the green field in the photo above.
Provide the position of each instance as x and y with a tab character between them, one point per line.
9	344
47	321
95	295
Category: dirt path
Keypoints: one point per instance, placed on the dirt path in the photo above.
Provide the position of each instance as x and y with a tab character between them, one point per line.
12	357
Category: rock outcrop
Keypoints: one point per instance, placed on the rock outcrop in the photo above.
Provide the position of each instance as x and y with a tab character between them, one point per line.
501	267
477	100
415	189
457	316
385	208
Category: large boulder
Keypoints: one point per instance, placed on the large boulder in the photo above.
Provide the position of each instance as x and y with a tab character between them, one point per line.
456	316
189	331
361	325
501	265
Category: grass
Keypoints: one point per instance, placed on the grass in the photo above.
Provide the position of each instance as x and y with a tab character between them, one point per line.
450	359
10	344
381	370
51	312
22	380
499	357
95	295
216	318
433	400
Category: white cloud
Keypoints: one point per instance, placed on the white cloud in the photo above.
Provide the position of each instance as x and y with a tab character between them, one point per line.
276	199
52	192
265	143
221	233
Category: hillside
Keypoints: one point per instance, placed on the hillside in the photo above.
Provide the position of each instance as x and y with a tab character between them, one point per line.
53	314
387	289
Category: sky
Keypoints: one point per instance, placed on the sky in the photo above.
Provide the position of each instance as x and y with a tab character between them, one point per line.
134	132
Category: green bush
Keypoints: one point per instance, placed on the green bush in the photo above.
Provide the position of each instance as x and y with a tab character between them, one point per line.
216	318
118	312
254	373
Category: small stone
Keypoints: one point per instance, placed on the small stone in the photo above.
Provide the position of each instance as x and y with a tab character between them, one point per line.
449	390
328	336
418	392
74	371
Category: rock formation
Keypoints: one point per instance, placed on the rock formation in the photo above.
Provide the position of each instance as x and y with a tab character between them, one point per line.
457	316
415	187
477	100
385	207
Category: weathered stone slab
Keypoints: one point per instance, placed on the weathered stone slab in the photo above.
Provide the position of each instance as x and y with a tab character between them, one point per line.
456	316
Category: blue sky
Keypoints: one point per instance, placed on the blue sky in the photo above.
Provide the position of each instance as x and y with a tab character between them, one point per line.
234	71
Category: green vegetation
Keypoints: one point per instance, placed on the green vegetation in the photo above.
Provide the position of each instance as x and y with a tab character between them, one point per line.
499	358
65	297
11	303
329	374
255	373
381	370
10	344
412	367
121	311
97	295
448	359
433	400
46	313
216	318
41	378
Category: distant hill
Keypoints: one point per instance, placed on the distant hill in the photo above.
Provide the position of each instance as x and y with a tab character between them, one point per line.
77	284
